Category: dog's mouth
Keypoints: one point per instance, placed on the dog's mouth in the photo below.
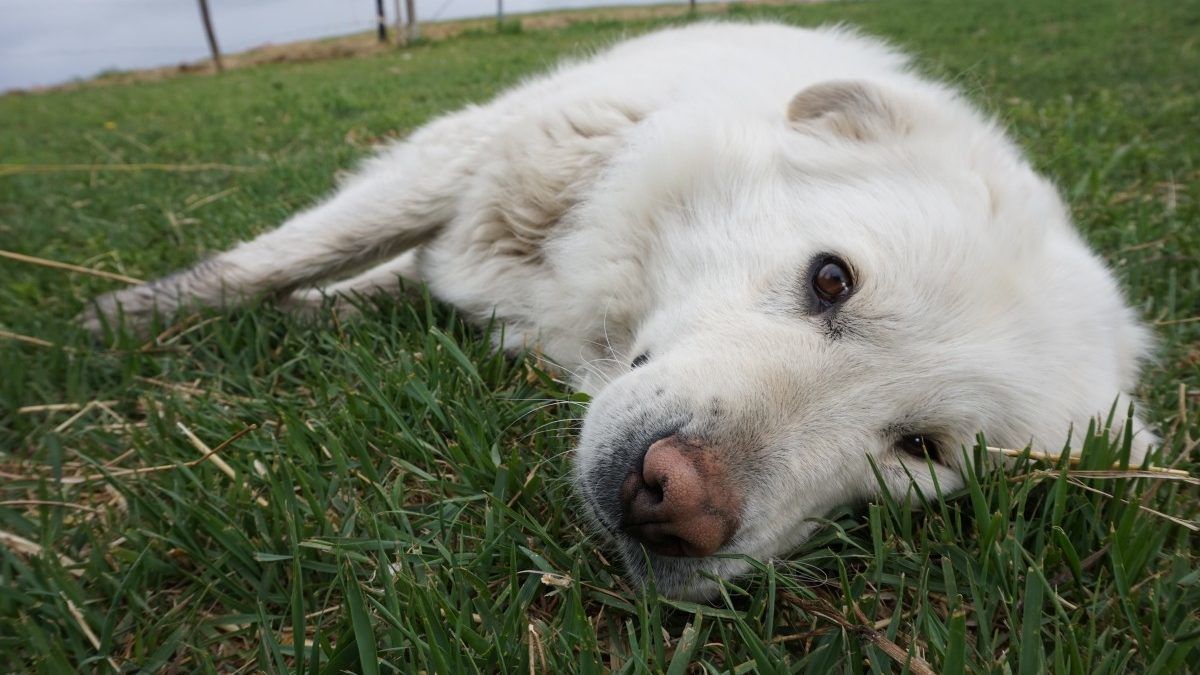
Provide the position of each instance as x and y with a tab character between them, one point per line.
679	577
668	565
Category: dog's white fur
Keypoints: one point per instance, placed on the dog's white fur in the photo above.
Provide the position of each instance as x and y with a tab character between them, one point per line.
667	197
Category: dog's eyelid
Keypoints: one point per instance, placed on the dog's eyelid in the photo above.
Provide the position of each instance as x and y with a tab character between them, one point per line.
917	444
830	281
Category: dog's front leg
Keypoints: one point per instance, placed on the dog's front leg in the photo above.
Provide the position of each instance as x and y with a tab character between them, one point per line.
375	216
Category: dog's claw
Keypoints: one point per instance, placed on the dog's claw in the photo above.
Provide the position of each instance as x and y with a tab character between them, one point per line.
134	308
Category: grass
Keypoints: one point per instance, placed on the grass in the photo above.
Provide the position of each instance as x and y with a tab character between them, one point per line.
394	496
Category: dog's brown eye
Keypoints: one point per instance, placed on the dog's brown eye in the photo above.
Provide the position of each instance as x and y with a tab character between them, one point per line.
832	281
919	445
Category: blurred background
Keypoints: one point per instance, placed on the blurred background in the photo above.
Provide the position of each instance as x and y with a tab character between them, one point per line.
46	43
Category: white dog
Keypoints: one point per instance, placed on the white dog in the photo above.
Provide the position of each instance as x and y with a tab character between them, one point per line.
773	255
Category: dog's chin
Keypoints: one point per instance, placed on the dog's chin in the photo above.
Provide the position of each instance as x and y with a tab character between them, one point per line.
693	579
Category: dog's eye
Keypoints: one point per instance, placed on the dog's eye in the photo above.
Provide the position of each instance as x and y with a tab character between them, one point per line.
640	360
919	446
831	281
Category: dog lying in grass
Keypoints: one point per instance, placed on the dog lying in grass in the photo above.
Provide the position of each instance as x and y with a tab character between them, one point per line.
778	259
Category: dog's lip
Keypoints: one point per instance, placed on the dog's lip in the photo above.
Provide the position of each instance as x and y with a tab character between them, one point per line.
664	544
639	523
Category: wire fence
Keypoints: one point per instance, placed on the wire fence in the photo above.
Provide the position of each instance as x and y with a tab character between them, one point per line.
45	43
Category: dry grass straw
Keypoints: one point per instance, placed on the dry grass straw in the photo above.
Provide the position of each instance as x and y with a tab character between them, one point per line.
54	264
15	169
30	340
58	407
21	545
221	464
209	454
865	633
1116	472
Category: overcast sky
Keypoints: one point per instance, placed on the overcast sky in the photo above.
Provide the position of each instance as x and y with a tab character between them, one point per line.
51	41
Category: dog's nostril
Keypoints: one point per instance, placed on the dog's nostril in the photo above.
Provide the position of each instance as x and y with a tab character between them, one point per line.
655	491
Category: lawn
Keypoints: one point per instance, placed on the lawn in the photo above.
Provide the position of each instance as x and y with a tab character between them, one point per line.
252	493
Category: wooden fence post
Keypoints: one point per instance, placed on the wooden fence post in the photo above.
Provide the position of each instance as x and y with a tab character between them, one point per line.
212	37
381	20
399	28
414	31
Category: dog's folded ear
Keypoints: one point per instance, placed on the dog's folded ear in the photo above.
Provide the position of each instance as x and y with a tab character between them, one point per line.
853	109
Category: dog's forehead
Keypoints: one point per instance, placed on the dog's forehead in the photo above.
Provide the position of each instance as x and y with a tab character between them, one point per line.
907	197
934	236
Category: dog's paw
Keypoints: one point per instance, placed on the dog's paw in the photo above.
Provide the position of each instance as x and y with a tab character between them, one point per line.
312	303
134	308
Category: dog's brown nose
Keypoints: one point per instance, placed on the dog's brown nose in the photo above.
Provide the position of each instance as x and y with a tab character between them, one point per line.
682	502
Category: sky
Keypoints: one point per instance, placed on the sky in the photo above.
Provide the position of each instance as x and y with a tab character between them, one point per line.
45	42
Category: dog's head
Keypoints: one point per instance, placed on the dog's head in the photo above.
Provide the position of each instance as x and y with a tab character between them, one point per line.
873	277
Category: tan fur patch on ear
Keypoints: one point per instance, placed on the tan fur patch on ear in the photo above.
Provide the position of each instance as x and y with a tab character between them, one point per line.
853	109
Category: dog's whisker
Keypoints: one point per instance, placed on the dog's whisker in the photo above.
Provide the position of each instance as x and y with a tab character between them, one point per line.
549	427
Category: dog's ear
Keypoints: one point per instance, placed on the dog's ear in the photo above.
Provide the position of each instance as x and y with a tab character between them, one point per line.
853	109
